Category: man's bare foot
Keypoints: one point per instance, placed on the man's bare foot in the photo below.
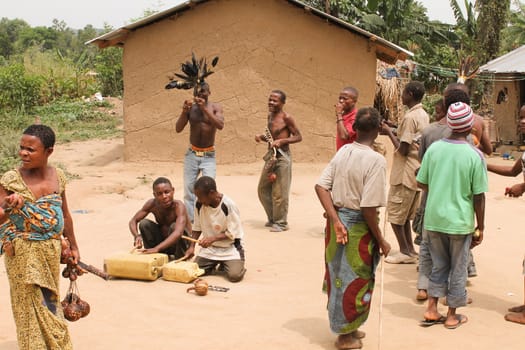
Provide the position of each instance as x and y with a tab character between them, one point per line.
358	334
454	321
520	308
347	341
516	317
421	295
432	316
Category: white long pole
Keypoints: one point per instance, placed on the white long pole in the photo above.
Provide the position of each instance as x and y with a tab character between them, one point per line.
381	288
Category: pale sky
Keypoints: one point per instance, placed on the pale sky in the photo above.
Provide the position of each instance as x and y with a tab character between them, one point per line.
117	13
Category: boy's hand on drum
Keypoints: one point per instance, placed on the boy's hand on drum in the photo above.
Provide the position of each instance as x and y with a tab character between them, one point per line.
148	251
138	242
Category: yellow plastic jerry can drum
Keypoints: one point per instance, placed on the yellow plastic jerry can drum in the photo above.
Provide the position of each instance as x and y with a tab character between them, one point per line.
182	271
136	266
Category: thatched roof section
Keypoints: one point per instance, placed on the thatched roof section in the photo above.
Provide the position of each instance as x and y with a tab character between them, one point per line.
388	93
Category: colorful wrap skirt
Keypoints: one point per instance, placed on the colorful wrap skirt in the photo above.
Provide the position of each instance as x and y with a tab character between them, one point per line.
350	273
33	272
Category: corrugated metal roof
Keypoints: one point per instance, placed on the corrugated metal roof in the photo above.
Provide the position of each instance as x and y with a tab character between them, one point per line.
118	36
512	62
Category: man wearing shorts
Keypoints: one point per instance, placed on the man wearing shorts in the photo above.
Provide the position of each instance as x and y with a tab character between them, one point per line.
403	198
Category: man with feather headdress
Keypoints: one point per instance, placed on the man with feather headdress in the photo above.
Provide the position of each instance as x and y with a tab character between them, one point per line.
205	118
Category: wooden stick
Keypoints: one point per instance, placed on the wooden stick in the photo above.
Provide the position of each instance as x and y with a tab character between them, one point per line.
93	270
190	239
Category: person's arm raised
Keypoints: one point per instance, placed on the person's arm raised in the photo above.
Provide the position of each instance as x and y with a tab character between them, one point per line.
341	130
184	116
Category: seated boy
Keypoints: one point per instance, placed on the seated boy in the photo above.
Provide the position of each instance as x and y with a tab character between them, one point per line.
217	221
164	235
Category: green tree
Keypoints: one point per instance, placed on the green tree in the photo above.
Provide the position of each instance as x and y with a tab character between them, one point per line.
9	32
466	25
64	37
18	90
44	37
108	65
514	34
491	20
405	23
350	11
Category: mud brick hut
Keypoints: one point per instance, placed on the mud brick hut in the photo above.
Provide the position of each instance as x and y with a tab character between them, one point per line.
262	45
508	75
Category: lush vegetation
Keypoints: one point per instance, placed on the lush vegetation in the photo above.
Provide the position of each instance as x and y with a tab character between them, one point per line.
49	71
50	74
484	30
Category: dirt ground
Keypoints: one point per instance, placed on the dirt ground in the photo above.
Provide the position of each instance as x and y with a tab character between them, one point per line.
279	304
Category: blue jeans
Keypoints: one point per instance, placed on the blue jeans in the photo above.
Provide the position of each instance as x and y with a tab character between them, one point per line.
450	256
193	166
425	262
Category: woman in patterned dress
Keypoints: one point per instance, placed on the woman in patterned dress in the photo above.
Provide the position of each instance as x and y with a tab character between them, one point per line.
351	189
33	216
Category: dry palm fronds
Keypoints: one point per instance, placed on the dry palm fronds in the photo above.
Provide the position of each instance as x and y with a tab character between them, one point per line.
467	69
388	95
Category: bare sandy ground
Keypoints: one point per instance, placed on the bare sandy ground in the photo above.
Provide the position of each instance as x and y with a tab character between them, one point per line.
279	305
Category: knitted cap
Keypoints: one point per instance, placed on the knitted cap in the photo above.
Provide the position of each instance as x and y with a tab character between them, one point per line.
460	117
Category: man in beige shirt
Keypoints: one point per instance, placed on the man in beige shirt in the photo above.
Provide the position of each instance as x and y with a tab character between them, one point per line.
403	198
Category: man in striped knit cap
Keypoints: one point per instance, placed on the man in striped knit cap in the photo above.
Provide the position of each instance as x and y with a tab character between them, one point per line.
454	175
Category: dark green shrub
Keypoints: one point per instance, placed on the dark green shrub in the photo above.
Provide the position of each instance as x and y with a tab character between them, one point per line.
9	144
18	90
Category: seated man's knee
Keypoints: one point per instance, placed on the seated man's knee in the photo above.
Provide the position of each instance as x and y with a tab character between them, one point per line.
236	276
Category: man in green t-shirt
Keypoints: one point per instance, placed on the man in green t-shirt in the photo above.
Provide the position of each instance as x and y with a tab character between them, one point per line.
454	175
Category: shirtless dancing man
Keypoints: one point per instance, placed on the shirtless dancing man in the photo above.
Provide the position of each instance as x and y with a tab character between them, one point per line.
274	192
205	118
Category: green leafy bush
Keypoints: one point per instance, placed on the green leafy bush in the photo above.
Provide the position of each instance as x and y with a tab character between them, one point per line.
18	90
9	144
108	65
62	77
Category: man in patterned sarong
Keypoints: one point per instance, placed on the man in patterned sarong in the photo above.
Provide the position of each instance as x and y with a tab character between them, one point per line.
351	189
33	216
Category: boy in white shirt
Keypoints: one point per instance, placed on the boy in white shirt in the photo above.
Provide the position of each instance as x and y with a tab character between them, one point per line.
217	222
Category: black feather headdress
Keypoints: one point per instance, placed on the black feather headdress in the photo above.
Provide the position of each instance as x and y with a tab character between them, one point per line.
194	73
